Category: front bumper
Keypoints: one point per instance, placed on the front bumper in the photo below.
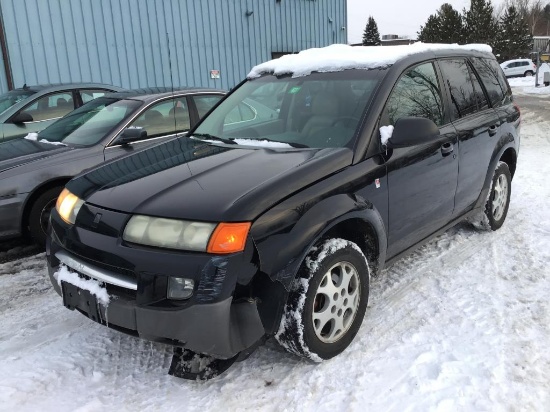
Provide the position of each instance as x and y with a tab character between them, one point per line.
212	322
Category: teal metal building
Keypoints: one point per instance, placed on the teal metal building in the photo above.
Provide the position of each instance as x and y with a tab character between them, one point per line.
144	43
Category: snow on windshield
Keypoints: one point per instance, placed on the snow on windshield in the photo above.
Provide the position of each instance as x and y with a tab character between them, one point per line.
34	138
338	57
262	143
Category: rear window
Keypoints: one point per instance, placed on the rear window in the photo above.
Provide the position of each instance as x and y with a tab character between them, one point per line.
488	73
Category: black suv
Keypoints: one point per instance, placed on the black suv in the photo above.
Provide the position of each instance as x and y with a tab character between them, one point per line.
271	216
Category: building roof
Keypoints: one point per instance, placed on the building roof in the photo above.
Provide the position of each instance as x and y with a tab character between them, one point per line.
340	57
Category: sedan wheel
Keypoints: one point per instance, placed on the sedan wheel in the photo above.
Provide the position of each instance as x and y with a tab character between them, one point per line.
39	215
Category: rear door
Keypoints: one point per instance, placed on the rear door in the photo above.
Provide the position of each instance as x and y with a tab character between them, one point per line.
477	125
421	179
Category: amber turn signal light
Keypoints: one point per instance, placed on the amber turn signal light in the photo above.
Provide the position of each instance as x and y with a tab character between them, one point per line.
228	238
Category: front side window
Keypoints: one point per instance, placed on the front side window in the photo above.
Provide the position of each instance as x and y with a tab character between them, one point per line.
90	123
164	118
416	94
459	81
10	98
318	110
51	106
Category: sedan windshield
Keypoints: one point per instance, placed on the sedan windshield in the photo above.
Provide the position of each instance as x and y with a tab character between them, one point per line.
319	110
89	124
8	99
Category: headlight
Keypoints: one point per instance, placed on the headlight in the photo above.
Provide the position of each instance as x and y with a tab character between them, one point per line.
213	238
168	233
68	206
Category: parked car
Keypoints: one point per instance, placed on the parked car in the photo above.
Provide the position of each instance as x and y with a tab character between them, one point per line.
274	226
33	108
34	170
519	67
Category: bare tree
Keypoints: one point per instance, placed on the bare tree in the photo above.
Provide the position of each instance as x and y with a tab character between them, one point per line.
532	11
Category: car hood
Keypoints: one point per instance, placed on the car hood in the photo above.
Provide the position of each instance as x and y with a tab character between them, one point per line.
189	179
18	152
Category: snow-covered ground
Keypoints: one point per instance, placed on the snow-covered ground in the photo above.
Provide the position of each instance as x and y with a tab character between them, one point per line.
526	85
462	324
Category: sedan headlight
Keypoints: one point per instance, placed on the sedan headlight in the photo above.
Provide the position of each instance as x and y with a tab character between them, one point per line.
168	233
68	206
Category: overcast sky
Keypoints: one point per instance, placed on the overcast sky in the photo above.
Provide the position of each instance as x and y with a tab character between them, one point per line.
402	17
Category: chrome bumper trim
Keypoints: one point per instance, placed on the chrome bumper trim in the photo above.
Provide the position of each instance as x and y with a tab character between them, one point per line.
96	273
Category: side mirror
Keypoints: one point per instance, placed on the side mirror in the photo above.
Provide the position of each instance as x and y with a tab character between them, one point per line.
22	117
412	131
131	134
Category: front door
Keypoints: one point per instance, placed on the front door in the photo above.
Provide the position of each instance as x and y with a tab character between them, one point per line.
44	111
421	179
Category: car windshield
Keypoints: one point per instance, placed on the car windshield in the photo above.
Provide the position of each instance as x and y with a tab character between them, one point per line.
8	99
319	110
89	124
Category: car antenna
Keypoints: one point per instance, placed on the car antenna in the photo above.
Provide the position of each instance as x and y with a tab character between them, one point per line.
25	87
171	79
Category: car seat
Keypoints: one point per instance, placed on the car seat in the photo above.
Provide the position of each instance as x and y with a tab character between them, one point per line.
324	111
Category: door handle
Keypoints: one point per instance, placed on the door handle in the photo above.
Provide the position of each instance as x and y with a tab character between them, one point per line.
493	130
447	148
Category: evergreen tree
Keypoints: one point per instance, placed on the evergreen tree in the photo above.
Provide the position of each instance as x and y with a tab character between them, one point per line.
480	26
429	33
371	36
514	39
443	27
451	29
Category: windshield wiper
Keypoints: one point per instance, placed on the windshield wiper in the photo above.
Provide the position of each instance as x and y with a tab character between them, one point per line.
292	144
212	137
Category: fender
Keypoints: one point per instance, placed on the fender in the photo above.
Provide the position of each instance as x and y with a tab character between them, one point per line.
507	141
282	250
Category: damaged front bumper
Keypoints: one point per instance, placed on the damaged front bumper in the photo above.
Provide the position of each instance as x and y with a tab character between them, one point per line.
213	321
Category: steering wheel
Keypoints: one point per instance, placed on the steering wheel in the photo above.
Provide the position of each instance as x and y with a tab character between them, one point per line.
346	120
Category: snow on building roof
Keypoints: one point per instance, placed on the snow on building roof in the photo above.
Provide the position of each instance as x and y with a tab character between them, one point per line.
338	57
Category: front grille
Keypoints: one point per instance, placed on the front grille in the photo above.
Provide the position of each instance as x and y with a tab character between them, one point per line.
121	292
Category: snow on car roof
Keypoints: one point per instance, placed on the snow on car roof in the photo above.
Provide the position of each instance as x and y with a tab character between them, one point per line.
338	57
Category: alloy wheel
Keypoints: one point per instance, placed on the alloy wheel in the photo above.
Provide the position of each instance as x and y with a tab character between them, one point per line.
500	197
336	302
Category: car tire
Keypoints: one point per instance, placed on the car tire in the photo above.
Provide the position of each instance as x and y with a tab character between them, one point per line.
40	213
327	304
528	73
498	200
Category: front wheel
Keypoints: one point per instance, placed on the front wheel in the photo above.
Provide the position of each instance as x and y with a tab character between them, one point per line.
39	215
496	207
528	73
326	308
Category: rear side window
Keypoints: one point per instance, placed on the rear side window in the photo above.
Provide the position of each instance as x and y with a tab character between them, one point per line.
459	81
416	94
488	76
480	95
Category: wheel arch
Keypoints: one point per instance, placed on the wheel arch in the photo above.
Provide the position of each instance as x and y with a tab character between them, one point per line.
343	215
510	157
37	192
